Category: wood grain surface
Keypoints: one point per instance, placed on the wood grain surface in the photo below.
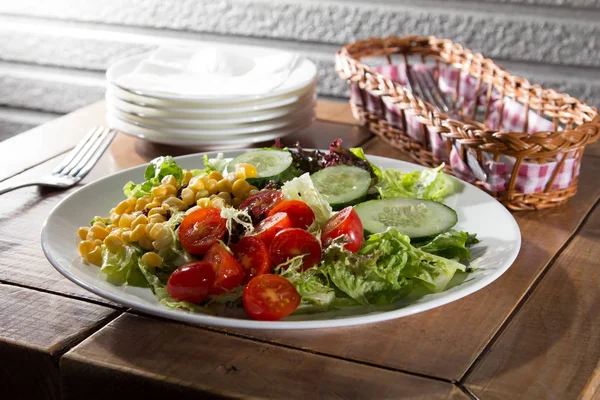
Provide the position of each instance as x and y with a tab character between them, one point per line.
35	330
551	349
443	342
149	357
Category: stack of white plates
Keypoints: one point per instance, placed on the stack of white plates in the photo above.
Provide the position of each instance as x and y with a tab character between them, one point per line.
235	96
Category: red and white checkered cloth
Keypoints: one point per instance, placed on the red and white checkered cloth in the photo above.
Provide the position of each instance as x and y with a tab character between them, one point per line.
532	177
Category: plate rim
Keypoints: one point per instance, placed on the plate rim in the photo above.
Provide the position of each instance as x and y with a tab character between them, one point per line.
226	322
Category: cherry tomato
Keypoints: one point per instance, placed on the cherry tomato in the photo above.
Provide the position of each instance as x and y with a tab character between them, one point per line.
300	213
253	255
346	222
270	297
268	228
261	203
293	242
229	274
191	282
201	229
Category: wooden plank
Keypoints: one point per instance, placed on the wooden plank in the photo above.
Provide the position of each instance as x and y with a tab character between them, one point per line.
336	111
551	347
593	149
142	357
46	141
35	330
443	342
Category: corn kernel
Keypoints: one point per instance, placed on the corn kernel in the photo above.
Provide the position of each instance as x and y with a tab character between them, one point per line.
240	188
196	184
138	233
84	247
126	237
170	180
152	259
114	218
224	185
122	207
248	169
202	194
187	176
126	220
142	202
140	219
113	243
171	190
225	196
217	202
98	232
145	244
239	175
156	218
156	231
95	256
216	175
97	242
204	202
132	201
211	186
175	203
188	196
83	232
158	191
157	210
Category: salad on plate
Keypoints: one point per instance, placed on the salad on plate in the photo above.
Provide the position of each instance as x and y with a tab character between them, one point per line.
277	231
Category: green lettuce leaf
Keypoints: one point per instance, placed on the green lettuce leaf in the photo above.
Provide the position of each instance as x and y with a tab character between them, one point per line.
429	184
450	244
312	286
303	189
156	170
121	268
359	152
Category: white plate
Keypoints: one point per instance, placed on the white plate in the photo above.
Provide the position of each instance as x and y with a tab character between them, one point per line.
205	141
209	116
477	212
301	77
199	106
201	126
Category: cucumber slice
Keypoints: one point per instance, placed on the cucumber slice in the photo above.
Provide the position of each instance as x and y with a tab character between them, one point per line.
342	185
271	164
415	218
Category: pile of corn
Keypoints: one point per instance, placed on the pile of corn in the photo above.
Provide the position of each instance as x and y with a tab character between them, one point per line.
143	220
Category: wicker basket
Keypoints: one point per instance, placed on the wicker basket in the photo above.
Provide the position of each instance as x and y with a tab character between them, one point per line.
384	105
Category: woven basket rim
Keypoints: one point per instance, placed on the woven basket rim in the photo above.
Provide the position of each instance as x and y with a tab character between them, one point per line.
585	118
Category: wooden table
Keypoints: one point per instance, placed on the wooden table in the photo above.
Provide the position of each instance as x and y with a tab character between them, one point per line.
532	334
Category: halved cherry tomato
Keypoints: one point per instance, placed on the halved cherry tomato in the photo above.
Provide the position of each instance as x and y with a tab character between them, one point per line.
229	274
347	223
268	228
253	255
270	297
191	282
201	229
261	203
293	242
300	213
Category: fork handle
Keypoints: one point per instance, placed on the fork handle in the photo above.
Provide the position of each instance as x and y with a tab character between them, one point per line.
10	188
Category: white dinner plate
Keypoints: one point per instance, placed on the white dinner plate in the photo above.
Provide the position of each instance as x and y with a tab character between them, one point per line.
203	106
204	141
301	77
477	212
209	116
195	126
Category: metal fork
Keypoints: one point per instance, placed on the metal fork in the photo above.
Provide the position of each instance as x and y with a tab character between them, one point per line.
425	86
77	164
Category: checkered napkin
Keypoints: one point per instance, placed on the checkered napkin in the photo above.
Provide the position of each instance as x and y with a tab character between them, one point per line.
532	177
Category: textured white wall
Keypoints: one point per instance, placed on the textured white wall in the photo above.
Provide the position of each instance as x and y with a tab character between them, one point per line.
53	53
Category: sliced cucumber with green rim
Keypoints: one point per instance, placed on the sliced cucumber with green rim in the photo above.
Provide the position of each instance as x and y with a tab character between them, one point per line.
271	164
342	185
414	218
